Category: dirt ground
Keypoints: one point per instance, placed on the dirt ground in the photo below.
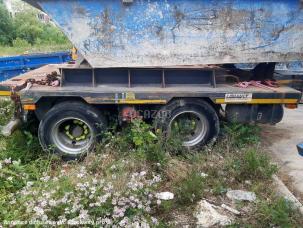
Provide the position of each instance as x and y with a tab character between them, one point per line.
281	141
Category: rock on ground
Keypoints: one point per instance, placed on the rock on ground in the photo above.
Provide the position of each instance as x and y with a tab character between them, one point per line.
241	195
208	216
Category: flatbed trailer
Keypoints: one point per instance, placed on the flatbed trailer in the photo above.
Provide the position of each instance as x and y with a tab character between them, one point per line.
172	62
192	95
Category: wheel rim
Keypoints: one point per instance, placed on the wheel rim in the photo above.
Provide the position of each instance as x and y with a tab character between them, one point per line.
72	136
190	126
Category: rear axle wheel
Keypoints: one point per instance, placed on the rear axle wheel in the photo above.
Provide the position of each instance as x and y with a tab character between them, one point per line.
71	129
192	120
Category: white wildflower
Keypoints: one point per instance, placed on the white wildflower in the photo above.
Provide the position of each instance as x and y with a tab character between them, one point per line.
143	173
154	221
7	161
17	162
52	203
203	174
124	222
43	203
39	211
84	215
95	181
45	178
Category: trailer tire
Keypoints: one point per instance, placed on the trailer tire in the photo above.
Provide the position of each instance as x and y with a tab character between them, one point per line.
71	129
207	120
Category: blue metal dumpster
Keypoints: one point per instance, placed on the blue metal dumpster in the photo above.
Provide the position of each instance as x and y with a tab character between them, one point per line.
161	33
15	65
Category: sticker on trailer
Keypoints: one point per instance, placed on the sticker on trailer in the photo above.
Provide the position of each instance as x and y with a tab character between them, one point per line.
238	97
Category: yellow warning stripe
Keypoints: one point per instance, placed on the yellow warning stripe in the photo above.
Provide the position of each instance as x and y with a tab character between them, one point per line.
121	101
5	93
259	101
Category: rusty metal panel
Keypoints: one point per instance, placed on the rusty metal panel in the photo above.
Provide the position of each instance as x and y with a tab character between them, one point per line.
144	33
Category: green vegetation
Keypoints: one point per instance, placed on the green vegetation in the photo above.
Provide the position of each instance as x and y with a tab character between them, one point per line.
118	183
190	189
6	26
276	212
26	34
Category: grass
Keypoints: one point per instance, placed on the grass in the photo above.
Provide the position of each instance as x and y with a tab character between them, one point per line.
11	51
119	180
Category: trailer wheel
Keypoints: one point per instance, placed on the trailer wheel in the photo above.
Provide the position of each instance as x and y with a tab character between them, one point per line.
71	129
193	120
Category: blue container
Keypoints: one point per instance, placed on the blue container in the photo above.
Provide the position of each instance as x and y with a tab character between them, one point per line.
15	65
300	148
161	33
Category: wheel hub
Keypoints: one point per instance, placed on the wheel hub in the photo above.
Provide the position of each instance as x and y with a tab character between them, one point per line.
72	135
77	130
190	126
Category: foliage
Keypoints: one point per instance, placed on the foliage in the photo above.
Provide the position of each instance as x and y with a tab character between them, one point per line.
276	213
22	146
241	135
30	29
20	43
27	27
13	50
140	139
253	165
25	31
118	184
88	200
190	189
6	110
6	26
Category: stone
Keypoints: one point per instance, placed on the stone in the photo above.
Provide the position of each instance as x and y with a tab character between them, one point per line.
208	216
165	196
230	209
241	195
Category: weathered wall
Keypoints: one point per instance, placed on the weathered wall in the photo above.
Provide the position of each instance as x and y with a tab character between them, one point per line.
181	32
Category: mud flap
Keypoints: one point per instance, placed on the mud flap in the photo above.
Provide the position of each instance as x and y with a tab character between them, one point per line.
264	114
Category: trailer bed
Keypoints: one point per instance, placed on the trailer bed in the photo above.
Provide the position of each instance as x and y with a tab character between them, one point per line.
152	94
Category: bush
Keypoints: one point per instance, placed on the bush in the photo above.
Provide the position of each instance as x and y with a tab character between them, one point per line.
241	135
20	43
6	110
138	138
23	146
190	189
28	27
6	26
25	30
252	165
277	213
